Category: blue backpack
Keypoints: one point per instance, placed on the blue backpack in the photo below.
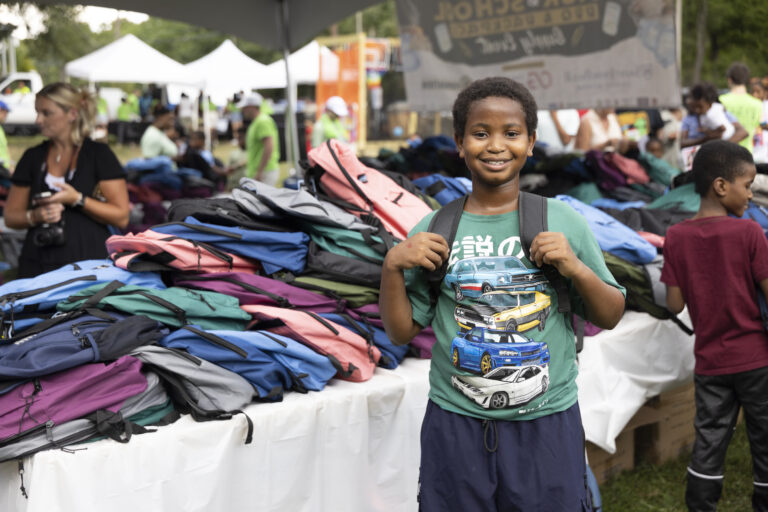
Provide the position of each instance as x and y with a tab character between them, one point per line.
391	354
612	235
443	188
275	250
271	362
74	339
22	299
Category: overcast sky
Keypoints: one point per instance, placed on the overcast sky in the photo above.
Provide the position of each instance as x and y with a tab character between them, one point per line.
96	17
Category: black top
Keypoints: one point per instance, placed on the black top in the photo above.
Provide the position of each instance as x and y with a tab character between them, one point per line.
84	236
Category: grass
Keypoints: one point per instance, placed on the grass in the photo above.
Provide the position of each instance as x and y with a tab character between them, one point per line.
661	488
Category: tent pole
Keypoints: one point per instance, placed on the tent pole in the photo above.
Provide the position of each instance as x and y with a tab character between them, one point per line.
291	130
207	121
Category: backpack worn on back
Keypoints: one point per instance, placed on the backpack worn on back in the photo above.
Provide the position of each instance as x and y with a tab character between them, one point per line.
364	191
532	215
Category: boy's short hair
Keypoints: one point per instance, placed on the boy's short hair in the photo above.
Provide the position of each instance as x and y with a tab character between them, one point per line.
198	134
493	86
704	91
738	73
718	159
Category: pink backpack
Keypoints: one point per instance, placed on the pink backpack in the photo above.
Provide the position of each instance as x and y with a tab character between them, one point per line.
366	192
350	353
153	251
632	169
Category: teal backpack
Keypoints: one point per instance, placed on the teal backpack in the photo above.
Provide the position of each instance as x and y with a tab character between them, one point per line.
173	306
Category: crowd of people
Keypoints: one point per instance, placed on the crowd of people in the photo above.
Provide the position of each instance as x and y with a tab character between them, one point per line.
71	193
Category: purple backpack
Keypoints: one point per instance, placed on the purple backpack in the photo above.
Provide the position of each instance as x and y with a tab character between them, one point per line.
262	291
49	401
421	343
607	176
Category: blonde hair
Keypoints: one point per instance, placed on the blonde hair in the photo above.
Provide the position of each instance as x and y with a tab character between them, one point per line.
69	97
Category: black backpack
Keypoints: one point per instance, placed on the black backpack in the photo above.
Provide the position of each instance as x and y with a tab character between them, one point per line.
532	214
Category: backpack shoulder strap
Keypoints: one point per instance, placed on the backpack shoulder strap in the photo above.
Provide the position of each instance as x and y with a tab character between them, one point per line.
532	211
445	222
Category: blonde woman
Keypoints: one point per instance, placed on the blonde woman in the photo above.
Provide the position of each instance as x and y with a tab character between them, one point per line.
68	190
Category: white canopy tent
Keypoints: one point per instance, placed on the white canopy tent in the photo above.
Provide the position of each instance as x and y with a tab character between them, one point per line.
227	70
303	65
279	24
129	59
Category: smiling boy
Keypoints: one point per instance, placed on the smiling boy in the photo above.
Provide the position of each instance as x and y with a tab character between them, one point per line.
714	264
502	430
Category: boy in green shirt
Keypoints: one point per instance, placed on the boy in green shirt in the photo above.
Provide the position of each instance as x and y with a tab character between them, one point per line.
502	429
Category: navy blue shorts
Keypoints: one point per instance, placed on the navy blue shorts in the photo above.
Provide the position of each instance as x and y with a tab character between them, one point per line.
468	464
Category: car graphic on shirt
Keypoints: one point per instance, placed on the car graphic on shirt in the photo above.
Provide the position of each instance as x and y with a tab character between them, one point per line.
480	350
507	386
471	277
505	310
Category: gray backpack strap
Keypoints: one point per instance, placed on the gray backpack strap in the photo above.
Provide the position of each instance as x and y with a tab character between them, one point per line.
445	222
532	211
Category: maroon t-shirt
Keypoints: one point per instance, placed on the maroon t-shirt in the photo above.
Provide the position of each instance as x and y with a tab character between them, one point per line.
718	263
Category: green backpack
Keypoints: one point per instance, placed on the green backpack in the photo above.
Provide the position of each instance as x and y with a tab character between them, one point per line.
682	198
658	169
348	242
355	295
172	306
645	292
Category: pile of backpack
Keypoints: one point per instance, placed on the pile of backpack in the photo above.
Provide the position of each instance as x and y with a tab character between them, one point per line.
231	300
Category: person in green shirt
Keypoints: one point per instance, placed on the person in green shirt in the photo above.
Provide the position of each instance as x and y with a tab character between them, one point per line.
330	125
5	156
262	143
154	141
746	108
502	429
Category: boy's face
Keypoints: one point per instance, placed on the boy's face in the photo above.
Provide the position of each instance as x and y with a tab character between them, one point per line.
196	142
738	192
496	142
655	148
699	107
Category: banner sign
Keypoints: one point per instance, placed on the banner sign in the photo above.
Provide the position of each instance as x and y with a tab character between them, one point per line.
569	53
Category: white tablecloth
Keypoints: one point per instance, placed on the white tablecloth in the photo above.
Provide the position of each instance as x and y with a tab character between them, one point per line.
351	447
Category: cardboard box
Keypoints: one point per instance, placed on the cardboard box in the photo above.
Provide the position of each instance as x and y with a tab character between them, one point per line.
606	465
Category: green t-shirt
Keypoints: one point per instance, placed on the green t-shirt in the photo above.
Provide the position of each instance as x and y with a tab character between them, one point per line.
156	143
747	109
125	112
101	106
5	155
261	127
503	350
326	128
133	100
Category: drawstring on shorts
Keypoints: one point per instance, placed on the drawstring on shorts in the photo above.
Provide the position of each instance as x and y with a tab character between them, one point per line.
486	424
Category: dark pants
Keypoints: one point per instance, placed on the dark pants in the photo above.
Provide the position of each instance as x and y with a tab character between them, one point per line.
718	399
469	464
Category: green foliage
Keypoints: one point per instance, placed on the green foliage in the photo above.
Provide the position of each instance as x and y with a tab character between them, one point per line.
64	39
662	488
735	32
378	21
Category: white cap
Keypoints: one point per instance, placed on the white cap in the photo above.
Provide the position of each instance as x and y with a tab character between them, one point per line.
252	100
337	105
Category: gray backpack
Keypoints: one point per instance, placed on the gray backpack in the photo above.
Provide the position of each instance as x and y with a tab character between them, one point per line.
204	390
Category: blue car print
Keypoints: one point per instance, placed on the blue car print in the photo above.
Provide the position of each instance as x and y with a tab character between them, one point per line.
480	350
473	277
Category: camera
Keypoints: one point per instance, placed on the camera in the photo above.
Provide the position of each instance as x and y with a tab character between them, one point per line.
46	234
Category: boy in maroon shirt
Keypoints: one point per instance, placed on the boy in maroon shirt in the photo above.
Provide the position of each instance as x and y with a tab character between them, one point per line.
714	264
